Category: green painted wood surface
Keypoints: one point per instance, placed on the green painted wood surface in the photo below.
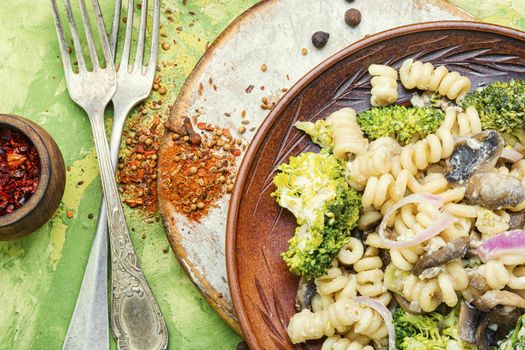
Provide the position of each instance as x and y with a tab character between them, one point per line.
40	275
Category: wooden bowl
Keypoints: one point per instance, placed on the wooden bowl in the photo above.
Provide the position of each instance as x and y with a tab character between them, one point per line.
262	289
44	202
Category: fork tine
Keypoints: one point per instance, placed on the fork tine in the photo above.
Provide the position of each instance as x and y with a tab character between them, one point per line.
103	34
142	33
152	65
115	27
89	34
76	39
66	60
124	61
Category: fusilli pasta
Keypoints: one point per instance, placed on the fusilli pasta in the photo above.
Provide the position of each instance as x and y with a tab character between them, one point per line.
375	162
348	137
416	74
337	343
384	85
370	277
339	316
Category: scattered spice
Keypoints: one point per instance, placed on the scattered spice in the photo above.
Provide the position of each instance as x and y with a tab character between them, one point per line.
199	167
90	216
304	51
264	67
165	46
320	38
249	89
241	129
69	214
19	170
353	17
137	174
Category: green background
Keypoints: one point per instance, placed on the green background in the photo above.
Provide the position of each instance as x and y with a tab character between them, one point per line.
40	275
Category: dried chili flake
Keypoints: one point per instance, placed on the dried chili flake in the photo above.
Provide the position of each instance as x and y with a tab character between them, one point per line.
19	170
196	176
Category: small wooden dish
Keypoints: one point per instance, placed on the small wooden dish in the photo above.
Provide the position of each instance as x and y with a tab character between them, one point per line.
258	230
44	202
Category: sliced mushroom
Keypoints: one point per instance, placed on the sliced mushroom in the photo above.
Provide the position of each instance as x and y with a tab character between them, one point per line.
472	154
305	293
469	320
453	250
477	281
485	337
494	191
505	318
517	220
493	298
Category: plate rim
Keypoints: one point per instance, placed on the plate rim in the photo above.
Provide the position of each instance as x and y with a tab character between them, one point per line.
265	127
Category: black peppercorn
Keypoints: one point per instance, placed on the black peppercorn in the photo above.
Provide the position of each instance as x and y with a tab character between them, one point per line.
349	0
320	38
242	346
353	17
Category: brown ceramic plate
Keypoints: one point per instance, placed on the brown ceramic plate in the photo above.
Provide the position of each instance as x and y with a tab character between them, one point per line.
258	229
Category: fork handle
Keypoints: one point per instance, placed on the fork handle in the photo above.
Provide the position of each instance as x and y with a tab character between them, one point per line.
137	321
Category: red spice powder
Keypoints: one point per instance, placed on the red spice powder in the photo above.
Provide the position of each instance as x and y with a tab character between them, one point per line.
19	170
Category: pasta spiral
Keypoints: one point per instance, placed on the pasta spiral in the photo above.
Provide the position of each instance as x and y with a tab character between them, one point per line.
348	137
384	85
495	274
416	74
321	302
405	258
370	277
337	343
332	281
351	252
468	122
379	190
375	162
427	293
490	223
339	316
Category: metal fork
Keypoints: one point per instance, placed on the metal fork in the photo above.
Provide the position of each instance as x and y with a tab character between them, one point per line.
136	318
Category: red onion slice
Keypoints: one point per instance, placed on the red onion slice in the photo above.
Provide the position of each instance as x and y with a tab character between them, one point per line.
439	224
387	316
511	154
508	242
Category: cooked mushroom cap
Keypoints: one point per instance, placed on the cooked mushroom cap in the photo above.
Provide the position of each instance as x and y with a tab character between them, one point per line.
477	153
492	298
454	250
305	293
494	191
517	220
469	321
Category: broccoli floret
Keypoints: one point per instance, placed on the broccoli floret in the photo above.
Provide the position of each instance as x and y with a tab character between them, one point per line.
430	331
501	106
405	124
319	132
516	339
313	187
